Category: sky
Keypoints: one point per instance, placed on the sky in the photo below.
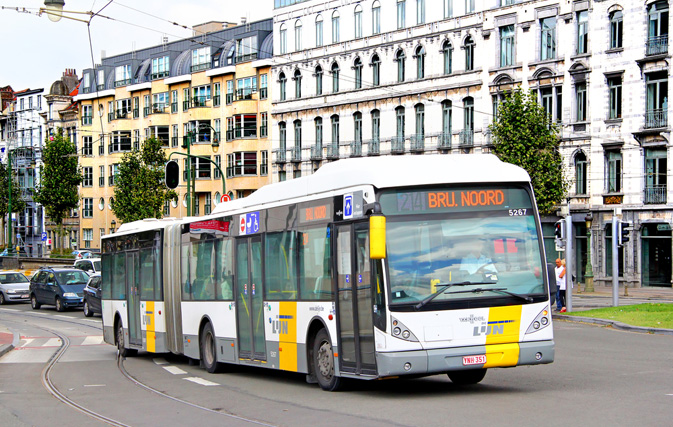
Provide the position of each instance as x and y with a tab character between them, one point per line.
35	51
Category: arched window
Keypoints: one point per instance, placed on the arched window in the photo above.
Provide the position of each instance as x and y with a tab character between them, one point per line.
399	58
283	39
376	70
317	151
467	134
447	54
657	28
616	29
419	110
318	80
335	131
376	17
580	173
282	80
318	30
399	117
420	62
447	117
357	66
469	53
357	18
282	138
297	83
376	130
296	153
335	26
357	126
335	77
297	35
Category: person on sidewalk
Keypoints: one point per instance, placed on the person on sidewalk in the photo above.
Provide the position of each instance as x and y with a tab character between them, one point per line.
560	271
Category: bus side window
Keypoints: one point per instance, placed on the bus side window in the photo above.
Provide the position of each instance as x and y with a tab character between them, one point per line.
223	268
314	264
281	265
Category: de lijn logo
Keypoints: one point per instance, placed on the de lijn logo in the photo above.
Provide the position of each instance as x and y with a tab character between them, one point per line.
491	328
281	326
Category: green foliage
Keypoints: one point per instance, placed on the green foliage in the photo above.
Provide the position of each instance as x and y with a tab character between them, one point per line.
655	315
18	204
60	178
525	136
140	191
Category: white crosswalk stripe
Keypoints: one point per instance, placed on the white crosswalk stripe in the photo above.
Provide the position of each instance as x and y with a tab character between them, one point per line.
93	340
201	381
174	370
52	342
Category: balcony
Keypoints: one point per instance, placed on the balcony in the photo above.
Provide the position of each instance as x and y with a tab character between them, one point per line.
263	131
417	143
397	145
246	57
655	194
263	93
136	113
657	45
444	141
333	151
199	101
374	147
466	138
174	107
316	152
124	82
296	154
87	120
216	100
159	75
281	156
121	113
159	108
230	98
200	67
356	149
244	94
656	119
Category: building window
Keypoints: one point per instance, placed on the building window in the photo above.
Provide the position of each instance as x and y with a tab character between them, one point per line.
376	70
657	28
335	77
335	27
242	164
264	163
469	53
376	17
468	121
357	66
613	182
580	173
357	17
263	87
357	126
400	119
420	12
318	30
318	80
282	133
297	137
469	6
448	8
335	130
655	175
582	32
87	207
87	180
376	126
420	121
548	38
297	84
656	113
507	45
615	87
101	176
401	6
447	118
283	39
616	29
420	62
122	76
447	54
201	59
160	67
399	58
297	35
318	135
581	102
87	236
282	80
87	146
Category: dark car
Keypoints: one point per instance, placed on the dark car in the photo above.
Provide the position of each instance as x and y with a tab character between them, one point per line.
62	287
92	296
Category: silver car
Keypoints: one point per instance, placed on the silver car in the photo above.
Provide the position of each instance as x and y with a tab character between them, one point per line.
13	287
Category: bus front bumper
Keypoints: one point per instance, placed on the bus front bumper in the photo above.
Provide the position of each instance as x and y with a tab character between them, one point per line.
442	360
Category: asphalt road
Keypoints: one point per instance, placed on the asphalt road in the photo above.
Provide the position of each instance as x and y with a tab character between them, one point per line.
601	376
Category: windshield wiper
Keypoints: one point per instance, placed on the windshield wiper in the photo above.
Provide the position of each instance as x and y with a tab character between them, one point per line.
501	290
445	287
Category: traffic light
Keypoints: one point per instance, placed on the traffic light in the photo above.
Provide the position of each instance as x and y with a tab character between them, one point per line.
172	174
560	233
624	232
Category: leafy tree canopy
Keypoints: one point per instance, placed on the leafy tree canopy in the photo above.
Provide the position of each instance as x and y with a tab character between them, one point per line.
525	136
18	204
60	177
140	191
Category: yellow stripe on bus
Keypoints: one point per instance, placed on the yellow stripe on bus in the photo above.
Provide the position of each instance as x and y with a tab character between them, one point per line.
503	324
151	334
502	355
287	341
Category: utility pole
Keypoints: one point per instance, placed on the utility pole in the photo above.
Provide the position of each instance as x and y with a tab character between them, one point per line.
9	202
615	262
569	262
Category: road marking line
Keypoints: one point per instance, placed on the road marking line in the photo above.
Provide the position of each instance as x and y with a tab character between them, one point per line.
93	340
26	342
95	385
63	315
200	381
160	361
52	342
174	370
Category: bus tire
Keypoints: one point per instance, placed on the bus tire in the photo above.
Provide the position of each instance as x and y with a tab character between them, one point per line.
323	362
467	377
123	351
209	349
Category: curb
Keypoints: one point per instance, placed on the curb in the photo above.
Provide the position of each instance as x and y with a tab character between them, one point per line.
9	347
614	324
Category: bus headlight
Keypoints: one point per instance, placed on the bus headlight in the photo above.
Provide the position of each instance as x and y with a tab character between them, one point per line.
402	332
540	322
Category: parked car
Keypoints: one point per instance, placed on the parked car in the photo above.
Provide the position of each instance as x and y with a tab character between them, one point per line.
90	265
13	287
91	296
22	252
62	287
83	254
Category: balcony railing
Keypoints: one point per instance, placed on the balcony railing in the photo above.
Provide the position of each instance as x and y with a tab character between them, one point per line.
263	131
655	194
333	151
466	138
230	98
200	67
159	75
136	113
296	154
657	45
158	108
199	101
246	57
356	149
242	94
374	147
263	93
316	152
216	100
122	82
417	143
281	156
121	113
87	120
174	107
397	145
444	141
656	119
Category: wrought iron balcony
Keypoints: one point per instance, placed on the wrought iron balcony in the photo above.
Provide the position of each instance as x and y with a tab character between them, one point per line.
296	154
655	194
216	100
333	151
417	143
656	119
657	45
374	147
466	138
444	141
356	149
281	156
397	145
316	152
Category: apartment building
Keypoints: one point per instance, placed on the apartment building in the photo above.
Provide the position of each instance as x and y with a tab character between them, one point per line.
206	96
402	77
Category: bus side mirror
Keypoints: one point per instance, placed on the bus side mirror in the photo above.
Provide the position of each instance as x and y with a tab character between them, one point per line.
377	236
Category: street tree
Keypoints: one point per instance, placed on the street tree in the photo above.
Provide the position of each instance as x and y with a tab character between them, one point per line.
60	178
140	191
525	135
18	204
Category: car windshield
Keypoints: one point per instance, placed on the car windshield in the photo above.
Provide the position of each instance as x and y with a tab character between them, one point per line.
72	277
475	248
96	265
12	278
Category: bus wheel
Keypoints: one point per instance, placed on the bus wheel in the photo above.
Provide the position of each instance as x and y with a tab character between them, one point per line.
323	362
123	351
469	377
209	349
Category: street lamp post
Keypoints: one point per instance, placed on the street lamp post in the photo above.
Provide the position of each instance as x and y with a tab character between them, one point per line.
9	203
589	275
113	225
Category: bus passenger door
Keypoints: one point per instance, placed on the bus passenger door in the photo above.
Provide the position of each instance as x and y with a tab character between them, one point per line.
133	298
354	299
249	299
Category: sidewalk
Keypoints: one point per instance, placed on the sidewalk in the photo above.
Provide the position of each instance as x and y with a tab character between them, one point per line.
7	340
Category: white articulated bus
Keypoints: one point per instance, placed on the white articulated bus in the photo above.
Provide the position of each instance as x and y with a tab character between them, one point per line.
369	268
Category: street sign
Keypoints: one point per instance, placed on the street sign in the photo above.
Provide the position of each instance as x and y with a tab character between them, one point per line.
44	236
224	198
18	236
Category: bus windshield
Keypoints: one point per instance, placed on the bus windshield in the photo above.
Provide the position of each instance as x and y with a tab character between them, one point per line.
472	252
